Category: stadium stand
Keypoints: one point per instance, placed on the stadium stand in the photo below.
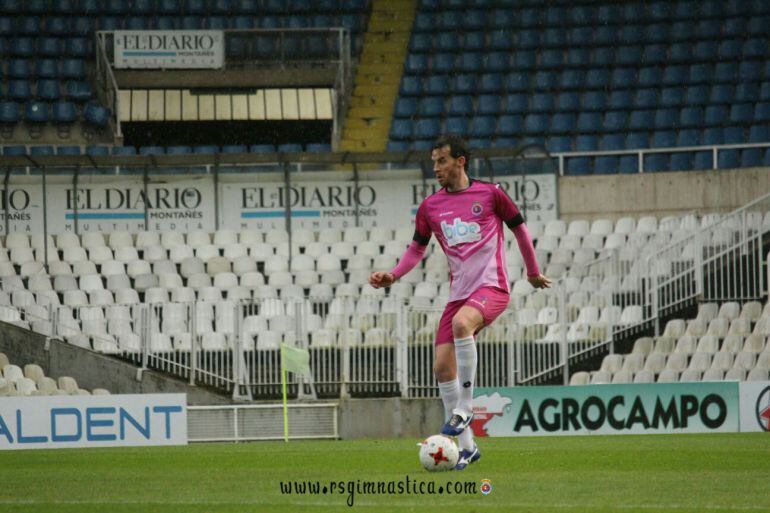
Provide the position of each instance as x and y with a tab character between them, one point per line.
15	381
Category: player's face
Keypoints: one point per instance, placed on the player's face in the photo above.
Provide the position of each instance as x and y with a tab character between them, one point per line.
449	170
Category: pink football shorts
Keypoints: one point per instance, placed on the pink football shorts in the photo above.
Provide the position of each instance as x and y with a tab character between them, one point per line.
490	301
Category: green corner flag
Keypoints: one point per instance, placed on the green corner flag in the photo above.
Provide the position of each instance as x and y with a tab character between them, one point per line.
296	360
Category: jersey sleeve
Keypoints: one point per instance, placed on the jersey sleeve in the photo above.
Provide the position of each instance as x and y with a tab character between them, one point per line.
422	231
506	209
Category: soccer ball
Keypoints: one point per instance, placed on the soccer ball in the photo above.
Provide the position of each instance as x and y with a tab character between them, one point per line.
438	453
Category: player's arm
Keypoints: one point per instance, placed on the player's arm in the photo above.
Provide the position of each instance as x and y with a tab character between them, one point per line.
411	257
515	221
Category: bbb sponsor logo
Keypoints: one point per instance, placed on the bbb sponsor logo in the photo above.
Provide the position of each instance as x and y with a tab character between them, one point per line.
460	232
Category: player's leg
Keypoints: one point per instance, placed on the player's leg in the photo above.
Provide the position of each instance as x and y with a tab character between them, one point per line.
444	365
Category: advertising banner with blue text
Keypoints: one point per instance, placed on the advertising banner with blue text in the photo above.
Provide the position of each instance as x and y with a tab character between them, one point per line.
167	49
640	408
58	422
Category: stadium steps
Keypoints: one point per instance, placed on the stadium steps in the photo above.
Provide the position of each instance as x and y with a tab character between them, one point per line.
378	76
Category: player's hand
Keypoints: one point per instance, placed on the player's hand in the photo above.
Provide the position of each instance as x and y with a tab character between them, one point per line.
381	279
539	281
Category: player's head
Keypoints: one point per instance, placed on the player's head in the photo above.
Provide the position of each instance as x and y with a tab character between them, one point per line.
450	157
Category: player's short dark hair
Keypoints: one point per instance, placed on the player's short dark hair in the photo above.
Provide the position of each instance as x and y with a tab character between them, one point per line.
457	146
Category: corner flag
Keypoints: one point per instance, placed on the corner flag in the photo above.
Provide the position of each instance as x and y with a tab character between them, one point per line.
296	360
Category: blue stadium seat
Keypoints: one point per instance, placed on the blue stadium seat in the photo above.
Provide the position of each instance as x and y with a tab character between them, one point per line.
110	23
725	72
76	47
401	129
18	68
9	113
578	57
751	157
706	50
411	86
435	85
421	145
398	146
620	99
628	164
48	90
555	15
672	96
588	122
656	162
766	158
713	136
741	113
666	118
536	123
70	150
516	102
488	104
608	14
525	59
405	108
579	36
606	35
416	64
612	142
675	75
628	55
546	80
505	142
571	79
655	54
96	114
460	105
421	43
290	148
443	63
517	81
542	102
78	91
762	111
597	79
178	150
49	47
476	42
171	7
568	101
554	38
551	59
14	151
703	160
483	126
691	117
254	148
586	142
41	150
461	84
754	48
469	62
681	161
450	20
631	34
649	76
722	94
530	18
700	73
63	112
749	70
682	30
446	42
728	159
431	106
491	83
615	121
46	68
730	49
734	135
455	125
679	53
36	112
759	133
423	22
562	123
579	166
606	165
22	47
594	100
697	95
559	144
152	150
73	69
235	148
646	98
637	140
19	90
502	18
715	115
123	150
663	139
426	128
747	92
527	39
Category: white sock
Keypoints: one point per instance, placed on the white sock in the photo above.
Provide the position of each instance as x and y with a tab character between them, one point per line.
467	358
449	391
465	439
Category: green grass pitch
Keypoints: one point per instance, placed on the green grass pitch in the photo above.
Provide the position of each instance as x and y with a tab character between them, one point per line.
659	473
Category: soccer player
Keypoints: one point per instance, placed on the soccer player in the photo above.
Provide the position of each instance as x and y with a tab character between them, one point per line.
467	218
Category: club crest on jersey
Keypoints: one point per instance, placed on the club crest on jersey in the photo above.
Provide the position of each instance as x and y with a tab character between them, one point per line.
477	208
460	232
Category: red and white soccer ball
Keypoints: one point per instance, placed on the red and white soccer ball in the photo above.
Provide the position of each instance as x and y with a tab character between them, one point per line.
438	453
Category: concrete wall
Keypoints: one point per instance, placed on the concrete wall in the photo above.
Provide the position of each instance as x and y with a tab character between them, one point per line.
660	194
392	417
93	370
